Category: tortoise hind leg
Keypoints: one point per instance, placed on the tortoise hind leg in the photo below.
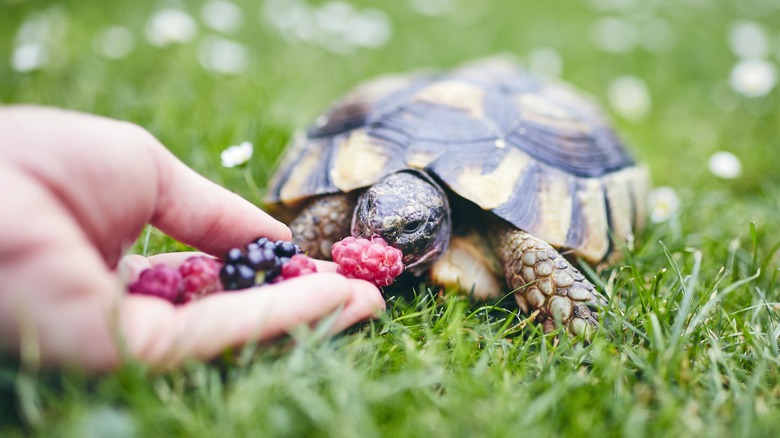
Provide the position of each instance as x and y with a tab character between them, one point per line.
544	280
322	222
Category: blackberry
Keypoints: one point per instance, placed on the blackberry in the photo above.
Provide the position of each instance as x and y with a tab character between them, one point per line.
237	276
235	255
286	249
263	257
260	258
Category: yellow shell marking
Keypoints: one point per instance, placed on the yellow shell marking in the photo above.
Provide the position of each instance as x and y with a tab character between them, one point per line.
421	159
555	208
358	162
455	94
543	111
596	242
617	187
295	187
491	190
641	185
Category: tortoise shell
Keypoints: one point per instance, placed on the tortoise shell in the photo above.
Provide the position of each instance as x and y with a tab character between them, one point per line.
536	153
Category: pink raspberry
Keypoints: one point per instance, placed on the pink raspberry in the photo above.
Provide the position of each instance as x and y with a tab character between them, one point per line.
160	281
298	265
200	276
372	260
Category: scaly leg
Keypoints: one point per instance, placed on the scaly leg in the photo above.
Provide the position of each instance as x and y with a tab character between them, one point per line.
323	221
544	280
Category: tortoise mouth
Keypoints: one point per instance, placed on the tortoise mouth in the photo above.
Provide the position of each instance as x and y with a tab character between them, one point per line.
414	258
410	212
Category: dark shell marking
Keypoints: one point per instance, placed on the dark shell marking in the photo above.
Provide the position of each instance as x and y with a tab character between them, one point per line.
537	154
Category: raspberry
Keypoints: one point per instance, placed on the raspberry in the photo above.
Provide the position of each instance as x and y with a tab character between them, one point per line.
373	260
298	265
200	275
160	281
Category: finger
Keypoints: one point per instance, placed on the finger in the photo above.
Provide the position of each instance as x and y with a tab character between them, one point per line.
325	266
163	335
366	301
174	259
56	293
114	177
202	214
130	267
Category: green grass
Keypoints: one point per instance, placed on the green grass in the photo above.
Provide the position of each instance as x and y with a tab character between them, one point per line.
689	345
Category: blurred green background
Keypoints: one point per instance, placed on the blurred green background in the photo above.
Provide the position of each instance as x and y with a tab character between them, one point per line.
296	57
682	80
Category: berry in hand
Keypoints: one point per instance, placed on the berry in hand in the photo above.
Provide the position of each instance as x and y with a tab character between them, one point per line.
160	281
372	260
237	276
259	262
200	276
298	265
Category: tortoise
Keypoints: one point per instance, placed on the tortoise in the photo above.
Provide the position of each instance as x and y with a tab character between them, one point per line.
478	171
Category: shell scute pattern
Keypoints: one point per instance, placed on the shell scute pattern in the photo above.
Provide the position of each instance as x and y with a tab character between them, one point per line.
537	154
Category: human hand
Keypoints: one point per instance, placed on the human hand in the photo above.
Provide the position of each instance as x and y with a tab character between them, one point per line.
78	190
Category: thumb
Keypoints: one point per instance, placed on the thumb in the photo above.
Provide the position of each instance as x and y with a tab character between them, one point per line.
200	213
161	335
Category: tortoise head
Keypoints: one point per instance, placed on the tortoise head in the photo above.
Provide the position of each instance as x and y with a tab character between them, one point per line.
411	212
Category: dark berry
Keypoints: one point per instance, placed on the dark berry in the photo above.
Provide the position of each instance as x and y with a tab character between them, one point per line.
276	270
261	258
237	276
286	249
261	241
235	255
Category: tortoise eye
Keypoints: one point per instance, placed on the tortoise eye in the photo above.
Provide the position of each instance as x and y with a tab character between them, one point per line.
413	226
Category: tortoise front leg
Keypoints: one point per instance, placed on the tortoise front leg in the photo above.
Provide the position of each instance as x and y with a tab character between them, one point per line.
544	280
322	222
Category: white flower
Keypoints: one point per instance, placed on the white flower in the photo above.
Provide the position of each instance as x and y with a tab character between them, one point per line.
222	15
335	25
236	155
657	35
114	42
614	35
545	61
725	165
613	4
664	203
334	17
432	8
753	77
222	55
29	56
38	40
370	28
170	26
629	97
748	39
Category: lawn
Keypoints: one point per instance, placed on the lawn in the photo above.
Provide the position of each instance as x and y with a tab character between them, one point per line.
689	342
